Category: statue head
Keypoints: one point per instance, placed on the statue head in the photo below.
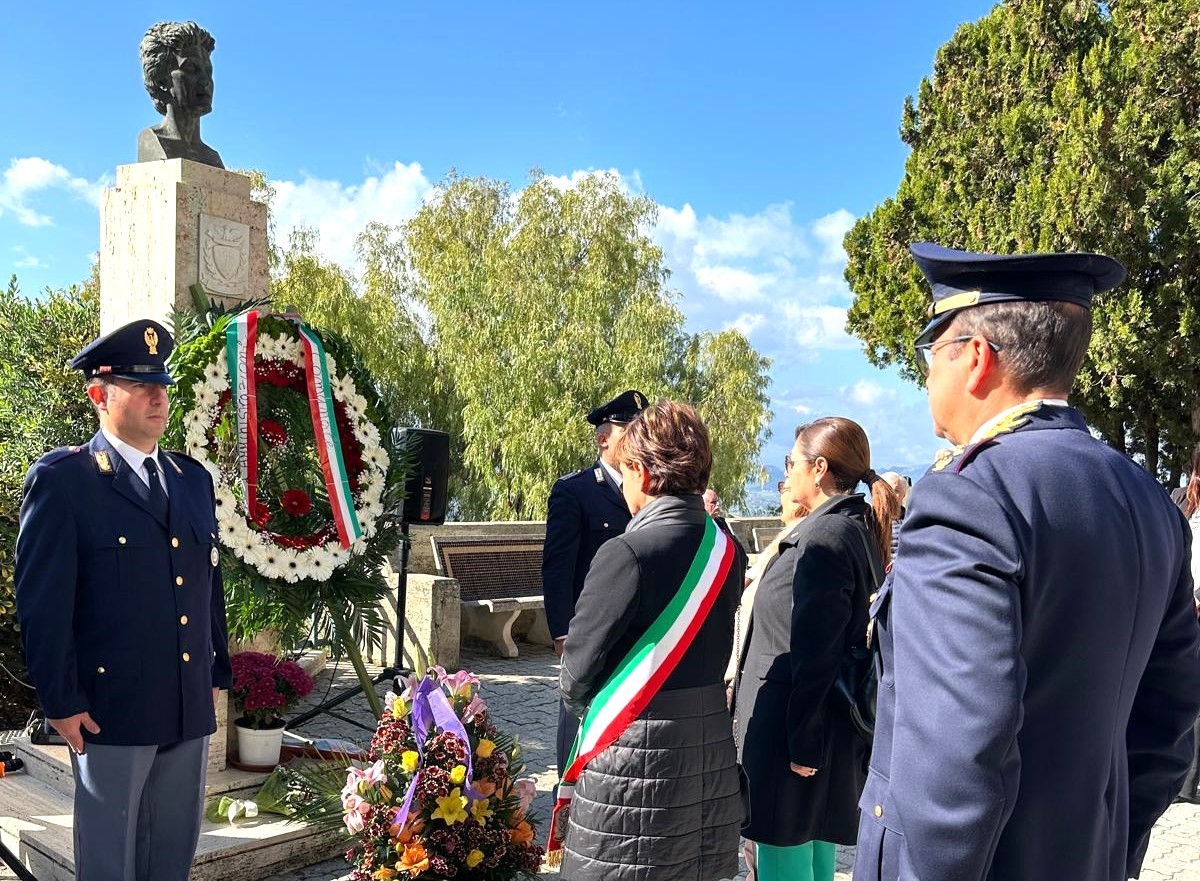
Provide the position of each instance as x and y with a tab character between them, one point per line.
176	67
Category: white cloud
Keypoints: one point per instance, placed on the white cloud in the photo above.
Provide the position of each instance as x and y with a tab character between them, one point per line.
340	212
733	285
29	175
25	260
815	327
868	393
830	230
748	322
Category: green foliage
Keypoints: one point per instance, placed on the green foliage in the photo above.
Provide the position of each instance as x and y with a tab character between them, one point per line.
42	406
503	317
1061	125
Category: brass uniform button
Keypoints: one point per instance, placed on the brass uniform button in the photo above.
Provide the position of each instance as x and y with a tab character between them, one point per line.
121	540
183	619
878	811
179	579
186	657
606	526
100	670
174	542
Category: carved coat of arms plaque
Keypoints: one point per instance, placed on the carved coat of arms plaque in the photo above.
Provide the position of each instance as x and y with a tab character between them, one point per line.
224	256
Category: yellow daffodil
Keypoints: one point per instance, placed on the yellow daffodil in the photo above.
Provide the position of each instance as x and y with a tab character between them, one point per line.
474	858
479	810
452	808
485	749
409	760
399	708
458	774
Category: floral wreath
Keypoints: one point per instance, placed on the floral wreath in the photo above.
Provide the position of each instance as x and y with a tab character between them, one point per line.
259	537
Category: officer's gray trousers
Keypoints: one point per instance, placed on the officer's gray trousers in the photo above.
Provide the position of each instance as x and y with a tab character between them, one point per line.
138	810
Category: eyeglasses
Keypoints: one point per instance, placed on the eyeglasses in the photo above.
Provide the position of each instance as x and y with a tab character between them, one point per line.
781	486
925	351
787	464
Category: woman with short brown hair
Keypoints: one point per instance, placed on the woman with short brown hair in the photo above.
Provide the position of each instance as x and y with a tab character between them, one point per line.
803	759
662	800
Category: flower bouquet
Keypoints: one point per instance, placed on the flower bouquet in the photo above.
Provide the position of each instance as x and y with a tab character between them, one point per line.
440	798
264	688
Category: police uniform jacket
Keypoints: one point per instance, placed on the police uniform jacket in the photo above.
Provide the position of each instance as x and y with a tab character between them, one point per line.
122	613
809	611
1039	667
586	509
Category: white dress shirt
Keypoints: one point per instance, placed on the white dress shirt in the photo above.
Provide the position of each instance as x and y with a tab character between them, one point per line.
136	459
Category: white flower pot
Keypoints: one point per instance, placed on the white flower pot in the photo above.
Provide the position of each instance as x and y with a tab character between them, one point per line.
259	746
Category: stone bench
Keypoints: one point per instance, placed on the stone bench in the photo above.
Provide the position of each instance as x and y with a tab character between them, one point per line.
499	577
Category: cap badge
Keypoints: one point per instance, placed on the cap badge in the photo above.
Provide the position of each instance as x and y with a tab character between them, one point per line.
151	336
103	463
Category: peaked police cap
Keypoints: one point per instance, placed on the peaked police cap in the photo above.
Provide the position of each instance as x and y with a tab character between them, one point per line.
136	351
961	279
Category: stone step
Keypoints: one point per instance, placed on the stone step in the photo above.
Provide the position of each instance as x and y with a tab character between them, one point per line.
51	765
36	821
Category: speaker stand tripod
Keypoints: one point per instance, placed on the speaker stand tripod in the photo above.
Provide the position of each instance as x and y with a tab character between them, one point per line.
396	669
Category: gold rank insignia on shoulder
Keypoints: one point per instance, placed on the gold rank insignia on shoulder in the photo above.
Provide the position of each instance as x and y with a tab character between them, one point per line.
599	472
1012	421
103	462
151	337
945	456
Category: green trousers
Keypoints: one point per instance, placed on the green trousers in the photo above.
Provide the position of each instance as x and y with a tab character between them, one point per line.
811	861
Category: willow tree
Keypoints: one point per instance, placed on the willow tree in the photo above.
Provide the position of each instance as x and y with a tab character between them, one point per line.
502	317
1061	125
545	302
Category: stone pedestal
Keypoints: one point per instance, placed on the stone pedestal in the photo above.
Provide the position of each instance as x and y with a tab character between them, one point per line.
169	224
431	625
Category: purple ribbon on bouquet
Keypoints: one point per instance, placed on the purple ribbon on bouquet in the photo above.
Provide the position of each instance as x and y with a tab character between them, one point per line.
431	709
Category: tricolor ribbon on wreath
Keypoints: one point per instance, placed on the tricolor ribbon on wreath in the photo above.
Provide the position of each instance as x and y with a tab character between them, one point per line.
239	351
642	672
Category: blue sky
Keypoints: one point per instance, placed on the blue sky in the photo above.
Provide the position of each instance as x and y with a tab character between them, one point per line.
761	129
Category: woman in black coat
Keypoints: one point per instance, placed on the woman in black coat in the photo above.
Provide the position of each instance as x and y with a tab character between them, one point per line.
805	762
663	802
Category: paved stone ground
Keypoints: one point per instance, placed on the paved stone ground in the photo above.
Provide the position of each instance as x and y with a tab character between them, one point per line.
522	695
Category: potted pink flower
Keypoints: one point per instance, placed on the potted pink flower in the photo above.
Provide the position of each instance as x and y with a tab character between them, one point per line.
264	689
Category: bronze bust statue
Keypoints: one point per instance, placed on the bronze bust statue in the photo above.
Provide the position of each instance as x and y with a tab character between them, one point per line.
178	73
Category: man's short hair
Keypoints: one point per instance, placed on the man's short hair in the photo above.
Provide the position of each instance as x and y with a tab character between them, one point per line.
158	55
1042	344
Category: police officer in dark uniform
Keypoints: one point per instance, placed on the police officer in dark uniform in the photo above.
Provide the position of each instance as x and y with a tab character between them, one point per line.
122	613
1039	650
586	509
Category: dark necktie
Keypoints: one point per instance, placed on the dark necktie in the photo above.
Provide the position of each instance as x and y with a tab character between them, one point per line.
158	498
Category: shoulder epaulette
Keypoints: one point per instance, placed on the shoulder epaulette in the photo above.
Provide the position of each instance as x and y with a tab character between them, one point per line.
58	455
571	474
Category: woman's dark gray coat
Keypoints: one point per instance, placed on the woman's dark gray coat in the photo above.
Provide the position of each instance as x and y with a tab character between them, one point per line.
810	609
663	802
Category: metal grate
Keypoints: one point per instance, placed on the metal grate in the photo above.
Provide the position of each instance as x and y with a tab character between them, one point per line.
491	567
763	536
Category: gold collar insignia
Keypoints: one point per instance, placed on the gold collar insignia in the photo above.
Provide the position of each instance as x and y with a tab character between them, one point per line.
1011	422
945	456
103	462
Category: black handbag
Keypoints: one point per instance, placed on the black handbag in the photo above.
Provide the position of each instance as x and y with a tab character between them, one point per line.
857	682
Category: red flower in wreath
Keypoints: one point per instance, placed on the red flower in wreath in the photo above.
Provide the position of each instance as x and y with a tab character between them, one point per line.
260	513
296	502
272	432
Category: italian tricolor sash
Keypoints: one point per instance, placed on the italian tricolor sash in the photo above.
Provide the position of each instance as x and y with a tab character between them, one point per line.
239	352
643	670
